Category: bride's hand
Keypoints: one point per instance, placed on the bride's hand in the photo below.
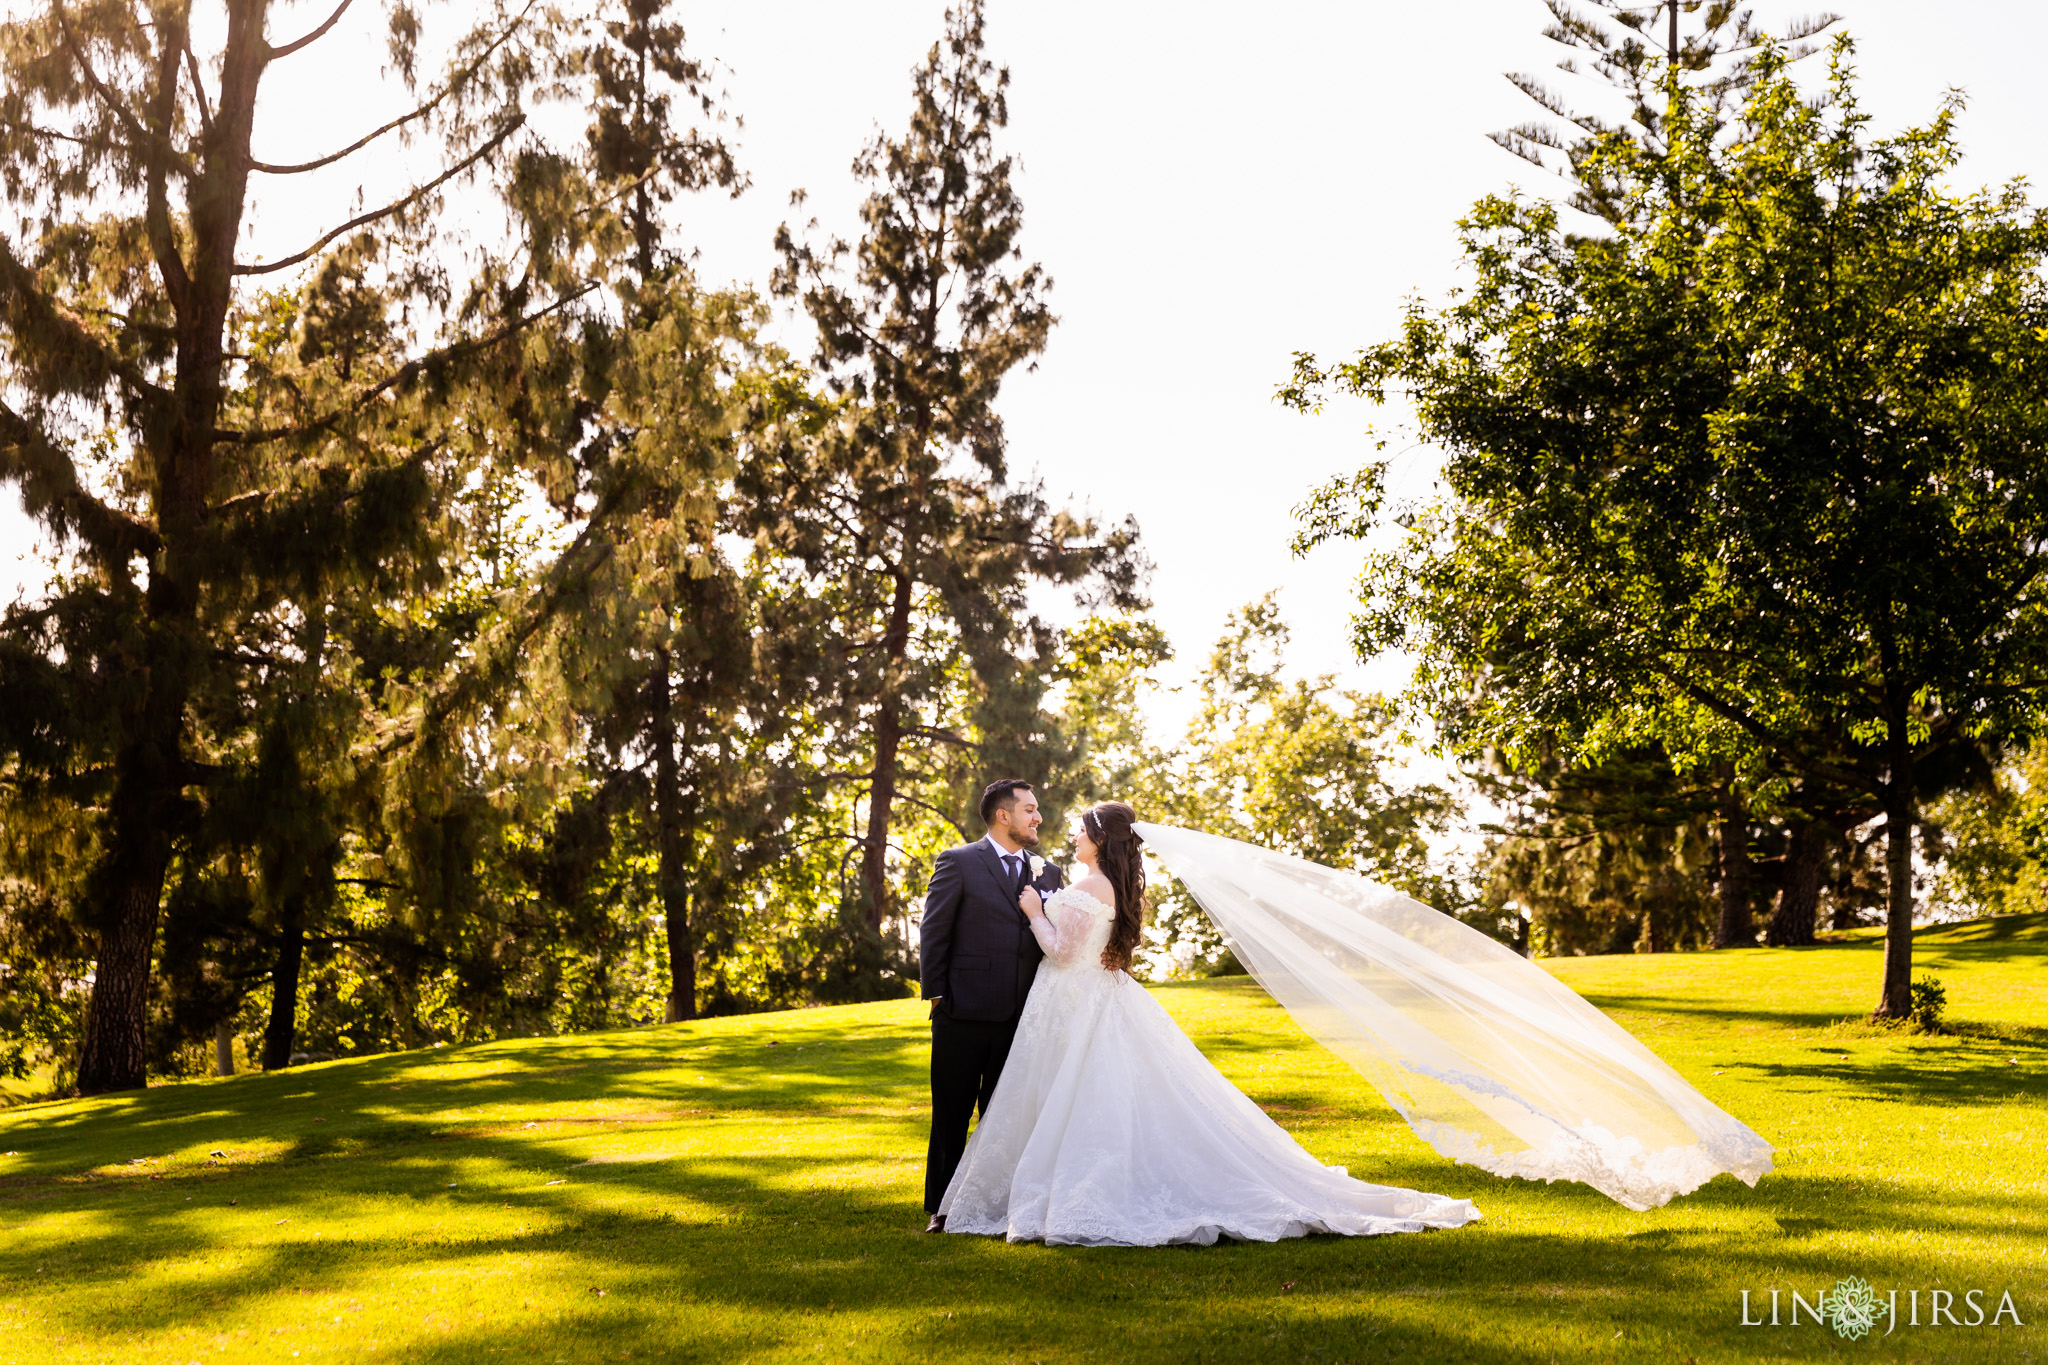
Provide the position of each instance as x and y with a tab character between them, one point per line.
1030	903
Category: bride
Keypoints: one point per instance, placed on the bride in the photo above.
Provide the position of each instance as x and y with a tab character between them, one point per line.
1109	1128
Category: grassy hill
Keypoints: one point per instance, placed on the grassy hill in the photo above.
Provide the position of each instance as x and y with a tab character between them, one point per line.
748	1189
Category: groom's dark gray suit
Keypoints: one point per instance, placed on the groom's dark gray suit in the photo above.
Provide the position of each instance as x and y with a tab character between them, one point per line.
977	957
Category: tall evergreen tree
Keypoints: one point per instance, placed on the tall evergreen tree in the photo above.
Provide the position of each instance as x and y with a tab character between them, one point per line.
1616	856
1710	46
129	155
901	503
658	647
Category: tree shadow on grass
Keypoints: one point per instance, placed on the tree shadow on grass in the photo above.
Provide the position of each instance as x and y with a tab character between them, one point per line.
1994	936
1611	1001
750	1242
404	1098
1959	1076
2006	1035
746	1260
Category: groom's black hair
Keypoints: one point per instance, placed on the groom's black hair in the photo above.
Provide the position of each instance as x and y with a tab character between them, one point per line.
1001	794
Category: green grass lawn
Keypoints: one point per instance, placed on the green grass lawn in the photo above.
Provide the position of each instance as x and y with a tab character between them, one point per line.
749	1189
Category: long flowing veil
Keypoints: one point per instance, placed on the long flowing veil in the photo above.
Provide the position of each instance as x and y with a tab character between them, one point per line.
1489	1058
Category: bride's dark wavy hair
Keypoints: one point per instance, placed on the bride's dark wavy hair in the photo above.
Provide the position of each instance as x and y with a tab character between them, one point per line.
1117	855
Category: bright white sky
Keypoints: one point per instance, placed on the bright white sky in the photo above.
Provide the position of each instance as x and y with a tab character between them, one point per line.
1212	186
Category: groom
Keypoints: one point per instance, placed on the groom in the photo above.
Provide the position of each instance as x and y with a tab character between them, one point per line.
977	959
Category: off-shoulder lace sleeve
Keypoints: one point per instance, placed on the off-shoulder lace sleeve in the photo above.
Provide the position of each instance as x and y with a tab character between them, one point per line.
1063	930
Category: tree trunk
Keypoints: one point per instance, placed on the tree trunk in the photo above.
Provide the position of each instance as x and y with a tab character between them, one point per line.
682	959
672	874
406	1013
112	1056
1734	929
223	1049
1896	1001
284	987
1651	938
874	861
1806	856
179	440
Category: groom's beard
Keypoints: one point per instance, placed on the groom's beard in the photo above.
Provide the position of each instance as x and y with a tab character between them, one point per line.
1025	840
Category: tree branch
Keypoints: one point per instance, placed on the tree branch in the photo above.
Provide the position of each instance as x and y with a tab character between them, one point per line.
300	167
198	89
163	236
411	368
21	127
160	154
27	309
52	494
926	805
362	220
293	46
1846	777
121	112
250	524
942	735
503	649
455	83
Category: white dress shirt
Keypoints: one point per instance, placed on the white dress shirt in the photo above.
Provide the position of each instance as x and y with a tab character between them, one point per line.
1022	864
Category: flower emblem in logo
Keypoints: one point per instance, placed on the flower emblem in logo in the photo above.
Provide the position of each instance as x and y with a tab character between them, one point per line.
1852	1307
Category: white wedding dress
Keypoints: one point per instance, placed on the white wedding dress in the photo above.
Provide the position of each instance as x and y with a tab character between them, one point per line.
1109	1127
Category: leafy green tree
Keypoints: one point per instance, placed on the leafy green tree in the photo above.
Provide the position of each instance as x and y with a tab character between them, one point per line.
1106	666
1306	767
1625	853
1303	767
45	964
128	154
1758	476
897	503
1712	48
1991	844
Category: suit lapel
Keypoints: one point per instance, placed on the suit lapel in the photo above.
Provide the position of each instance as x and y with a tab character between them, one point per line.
993	863
1006	888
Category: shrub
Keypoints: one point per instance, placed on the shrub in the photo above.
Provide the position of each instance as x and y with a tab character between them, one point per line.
1929	1000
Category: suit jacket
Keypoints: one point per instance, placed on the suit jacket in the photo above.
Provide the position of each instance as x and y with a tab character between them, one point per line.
975	947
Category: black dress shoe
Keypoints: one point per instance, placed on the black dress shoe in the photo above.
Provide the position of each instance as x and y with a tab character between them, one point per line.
938	1223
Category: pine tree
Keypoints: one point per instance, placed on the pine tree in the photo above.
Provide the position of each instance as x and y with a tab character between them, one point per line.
657	653
901	501
129	155
1616	856
1636	48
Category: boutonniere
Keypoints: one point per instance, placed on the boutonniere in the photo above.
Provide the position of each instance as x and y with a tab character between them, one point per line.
1037	867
